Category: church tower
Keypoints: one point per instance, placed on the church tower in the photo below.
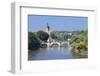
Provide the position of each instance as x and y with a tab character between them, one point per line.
48	30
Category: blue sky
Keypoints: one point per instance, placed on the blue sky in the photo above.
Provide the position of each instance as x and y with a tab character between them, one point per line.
57	23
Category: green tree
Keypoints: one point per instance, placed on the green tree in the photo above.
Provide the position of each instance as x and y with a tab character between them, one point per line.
33	42
79	40
66	37
53	35
42	35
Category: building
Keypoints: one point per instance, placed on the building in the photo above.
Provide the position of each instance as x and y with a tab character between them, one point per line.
48	30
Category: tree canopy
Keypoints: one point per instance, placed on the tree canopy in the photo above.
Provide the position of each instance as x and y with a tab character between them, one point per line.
33	42
42	35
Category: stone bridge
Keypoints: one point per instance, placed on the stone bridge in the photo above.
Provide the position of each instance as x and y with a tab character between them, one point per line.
56	43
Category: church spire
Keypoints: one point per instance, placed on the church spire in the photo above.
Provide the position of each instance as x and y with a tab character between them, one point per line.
48	27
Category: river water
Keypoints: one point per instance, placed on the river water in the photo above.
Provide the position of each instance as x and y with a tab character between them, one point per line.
51	54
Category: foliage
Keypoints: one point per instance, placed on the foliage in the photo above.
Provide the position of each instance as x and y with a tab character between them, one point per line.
42	35
53	35
33	42
79	40
60	35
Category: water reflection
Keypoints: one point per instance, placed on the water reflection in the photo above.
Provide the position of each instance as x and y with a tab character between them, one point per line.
51	53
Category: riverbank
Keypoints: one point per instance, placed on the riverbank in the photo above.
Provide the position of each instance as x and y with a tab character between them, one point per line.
81	53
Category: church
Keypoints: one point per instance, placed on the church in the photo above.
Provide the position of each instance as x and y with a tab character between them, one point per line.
48	30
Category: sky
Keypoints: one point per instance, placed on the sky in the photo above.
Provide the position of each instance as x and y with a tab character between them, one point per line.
57	23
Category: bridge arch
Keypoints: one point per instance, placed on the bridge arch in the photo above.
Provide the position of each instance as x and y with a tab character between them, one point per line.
55	43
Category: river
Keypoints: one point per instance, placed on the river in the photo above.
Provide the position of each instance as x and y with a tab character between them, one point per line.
51	54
